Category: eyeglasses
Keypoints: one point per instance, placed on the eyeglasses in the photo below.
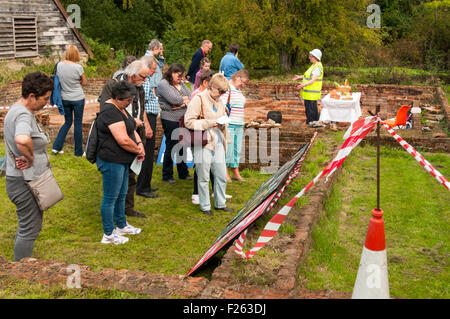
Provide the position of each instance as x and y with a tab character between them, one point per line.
143	77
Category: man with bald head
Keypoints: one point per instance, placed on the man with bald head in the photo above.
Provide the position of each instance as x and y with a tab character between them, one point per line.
196	58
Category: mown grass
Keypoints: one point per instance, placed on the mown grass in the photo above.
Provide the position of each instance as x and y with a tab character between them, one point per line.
417	219
174	235
22	289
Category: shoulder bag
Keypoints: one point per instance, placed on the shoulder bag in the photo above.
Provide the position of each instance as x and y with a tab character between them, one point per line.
45	189
195	137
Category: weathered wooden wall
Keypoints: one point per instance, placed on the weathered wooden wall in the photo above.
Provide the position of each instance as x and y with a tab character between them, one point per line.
53	34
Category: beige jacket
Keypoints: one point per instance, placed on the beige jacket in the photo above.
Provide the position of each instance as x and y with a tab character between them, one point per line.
192	122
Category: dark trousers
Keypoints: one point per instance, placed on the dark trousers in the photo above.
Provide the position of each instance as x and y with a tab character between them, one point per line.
144	181
312	113
167	173
129	200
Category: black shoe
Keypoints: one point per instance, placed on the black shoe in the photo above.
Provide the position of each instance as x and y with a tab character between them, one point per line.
189	178
225	209
207	212
134	213
154	189
147	195
170	181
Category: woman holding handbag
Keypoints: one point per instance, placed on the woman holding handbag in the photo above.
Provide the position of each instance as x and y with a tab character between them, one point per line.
202	114
26	159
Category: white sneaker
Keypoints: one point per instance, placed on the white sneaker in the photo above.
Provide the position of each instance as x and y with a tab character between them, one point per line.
195	199
57	152
114	239
226	196
127	230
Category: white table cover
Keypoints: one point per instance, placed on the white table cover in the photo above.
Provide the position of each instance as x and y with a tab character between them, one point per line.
341	110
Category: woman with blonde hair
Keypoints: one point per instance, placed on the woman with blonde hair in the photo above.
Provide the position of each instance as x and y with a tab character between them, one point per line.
236	128
72	78
211	157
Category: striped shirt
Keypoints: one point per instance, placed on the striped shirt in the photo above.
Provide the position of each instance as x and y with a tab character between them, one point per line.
237	102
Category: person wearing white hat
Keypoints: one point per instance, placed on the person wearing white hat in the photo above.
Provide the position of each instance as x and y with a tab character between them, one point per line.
311	86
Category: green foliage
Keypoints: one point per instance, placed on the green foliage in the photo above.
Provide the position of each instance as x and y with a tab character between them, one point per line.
130	29
277	34
178	46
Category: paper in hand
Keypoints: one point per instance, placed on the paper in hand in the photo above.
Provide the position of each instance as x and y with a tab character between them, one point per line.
223	120
136	166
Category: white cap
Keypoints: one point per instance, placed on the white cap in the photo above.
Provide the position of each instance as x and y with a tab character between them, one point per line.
316	53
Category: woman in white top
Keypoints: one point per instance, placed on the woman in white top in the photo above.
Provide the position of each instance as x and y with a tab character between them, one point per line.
72	78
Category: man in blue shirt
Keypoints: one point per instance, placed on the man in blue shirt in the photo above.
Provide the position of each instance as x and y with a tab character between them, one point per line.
230	63
155	49
196	58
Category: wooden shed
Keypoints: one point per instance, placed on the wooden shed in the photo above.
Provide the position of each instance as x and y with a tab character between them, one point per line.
36	28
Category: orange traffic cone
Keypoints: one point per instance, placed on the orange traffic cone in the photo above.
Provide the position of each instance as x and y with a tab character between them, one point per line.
372	279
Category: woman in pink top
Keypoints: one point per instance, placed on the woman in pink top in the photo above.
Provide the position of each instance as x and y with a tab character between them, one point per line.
203	80
205	65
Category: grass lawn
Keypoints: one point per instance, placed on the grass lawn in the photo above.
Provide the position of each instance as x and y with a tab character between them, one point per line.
23	289
174	235
417	219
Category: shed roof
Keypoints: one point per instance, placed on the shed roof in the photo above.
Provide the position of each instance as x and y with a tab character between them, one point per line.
74	29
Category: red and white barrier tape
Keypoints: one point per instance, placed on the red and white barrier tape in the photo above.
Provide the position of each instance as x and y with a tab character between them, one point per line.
52	106
239	244
274	224
418	157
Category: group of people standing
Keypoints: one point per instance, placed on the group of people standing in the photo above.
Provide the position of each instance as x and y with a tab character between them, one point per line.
129	106
130	103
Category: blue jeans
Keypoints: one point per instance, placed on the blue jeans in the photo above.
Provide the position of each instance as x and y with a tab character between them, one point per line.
115	188
234	149
71	109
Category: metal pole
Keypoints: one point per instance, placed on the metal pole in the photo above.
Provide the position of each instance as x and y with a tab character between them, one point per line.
378	158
